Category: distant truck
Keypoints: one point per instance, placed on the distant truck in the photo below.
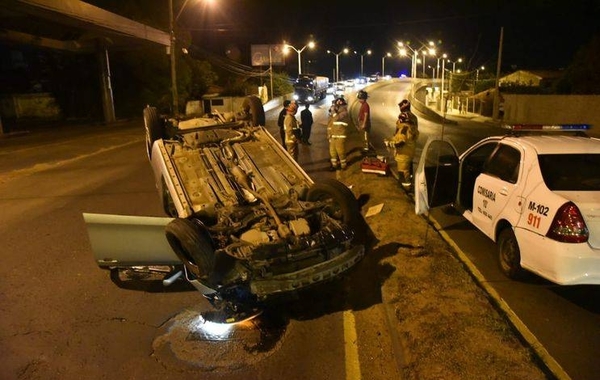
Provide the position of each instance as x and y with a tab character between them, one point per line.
310	88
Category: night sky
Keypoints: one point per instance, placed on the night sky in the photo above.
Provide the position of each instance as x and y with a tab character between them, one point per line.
537	34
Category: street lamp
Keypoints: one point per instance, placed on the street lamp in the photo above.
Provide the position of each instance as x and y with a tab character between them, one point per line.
443	109
368	52
430	47
437	67
450	92
427	50
454	64
403	52
311	45
337	62
477	76
172	50
383	63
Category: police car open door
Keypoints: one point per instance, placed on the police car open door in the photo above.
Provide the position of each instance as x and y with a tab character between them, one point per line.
436	178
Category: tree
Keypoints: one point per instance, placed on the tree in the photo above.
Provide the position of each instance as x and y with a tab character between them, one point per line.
582	76
142	77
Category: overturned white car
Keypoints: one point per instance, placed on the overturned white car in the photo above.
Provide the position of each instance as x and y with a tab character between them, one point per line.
244	220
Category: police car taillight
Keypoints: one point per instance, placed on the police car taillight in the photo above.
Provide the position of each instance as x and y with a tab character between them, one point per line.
568	225
548	128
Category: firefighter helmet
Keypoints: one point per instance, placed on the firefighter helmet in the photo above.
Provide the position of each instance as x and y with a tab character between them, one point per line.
404	105
341	101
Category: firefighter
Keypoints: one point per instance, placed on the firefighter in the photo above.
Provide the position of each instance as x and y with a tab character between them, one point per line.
280	120
403	142
291	128
405	107
336	134
364	118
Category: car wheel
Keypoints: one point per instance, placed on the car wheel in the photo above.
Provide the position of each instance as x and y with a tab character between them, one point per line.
193	247
509	255
344	206
154	130
255	107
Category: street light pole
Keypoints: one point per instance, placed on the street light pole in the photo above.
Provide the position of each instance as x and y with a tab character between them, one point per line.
450	93
271	70
477	76
442	87
454	64
427	50
383	63
437	67
415	56
172	51
311	45
368	52
337	62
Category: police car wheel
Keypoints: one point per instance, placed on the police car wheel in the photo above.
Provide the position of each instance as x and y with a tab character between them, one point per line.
509	255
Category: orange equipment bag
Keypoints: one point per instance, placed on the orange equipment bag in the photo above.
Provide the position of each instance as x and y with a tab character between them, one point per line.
377	165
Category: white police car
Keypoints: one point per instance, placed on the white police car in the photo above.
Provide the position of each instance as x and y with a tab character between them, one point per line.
537	195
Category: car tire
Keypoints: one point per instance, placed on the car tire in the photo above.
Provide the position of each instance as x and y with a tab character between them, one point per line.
345	206
154	129
509	255
193	247
255	107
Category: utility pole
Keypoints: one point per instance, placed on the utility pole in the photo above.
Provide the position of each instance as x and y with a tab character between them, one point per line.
173	49
442	98
271	70
497	86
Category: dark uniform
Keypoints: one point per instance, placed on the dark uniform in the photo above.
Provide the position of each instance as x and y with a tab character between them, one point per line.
306	119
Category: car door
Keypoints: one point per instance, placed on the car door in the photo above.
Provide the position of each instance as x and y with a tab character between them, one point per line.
128	241
496	188
436	178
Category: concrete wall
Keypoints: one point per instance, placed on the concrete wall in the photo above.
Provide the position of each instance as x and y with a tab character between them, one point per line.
552	109
42	106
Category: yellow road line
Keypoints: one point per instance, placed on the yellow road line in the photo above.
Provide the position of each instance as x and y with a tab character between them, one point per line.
351	347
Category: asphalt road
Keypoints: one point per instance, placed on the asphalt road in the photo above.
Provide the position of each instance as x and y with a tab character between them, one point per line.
55	299
63	317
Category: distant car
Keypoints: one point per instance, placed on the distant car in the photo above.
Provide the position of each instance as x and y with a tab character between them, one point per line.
361	80
349	83
340	89
245	222
331	89
536	195
373	78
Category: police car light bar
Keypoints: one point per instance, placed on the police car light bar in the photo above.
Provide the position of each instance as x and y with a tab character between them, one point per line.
537	127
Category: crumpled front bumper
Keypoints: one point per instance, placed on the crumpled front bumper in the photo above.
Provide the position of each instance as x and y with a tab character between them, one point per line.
309	276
